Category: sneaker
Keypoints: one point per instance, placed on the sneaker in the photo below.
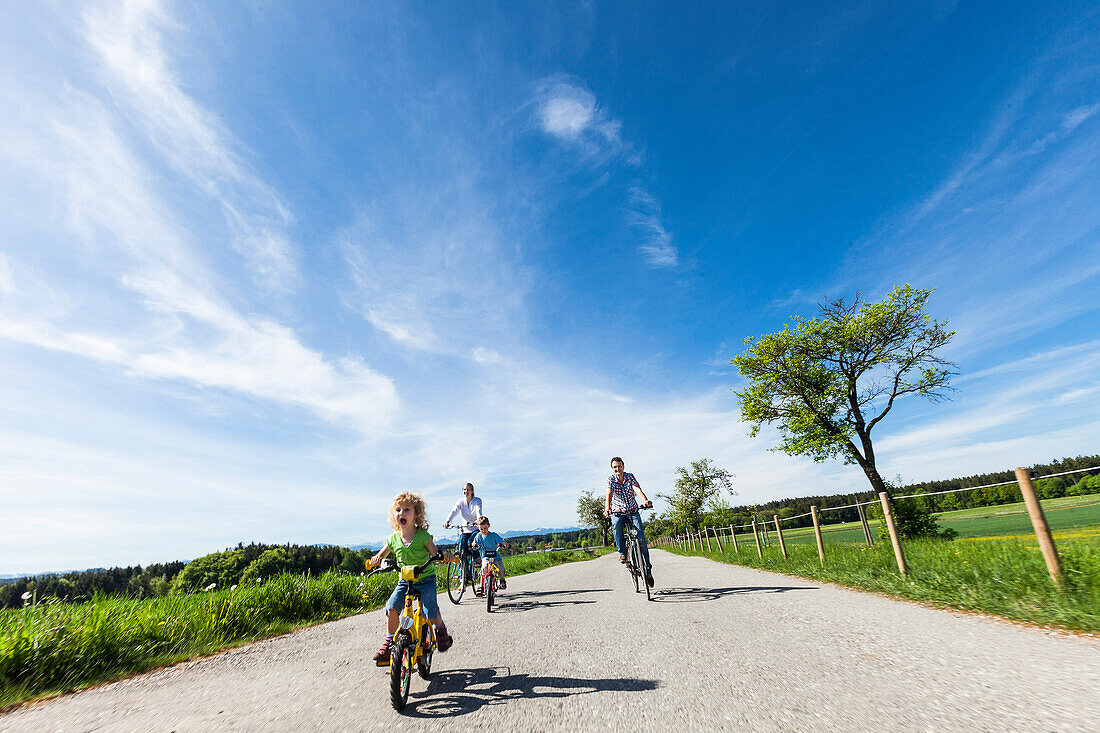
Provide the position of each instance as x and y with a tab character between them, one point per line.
382	656
443	640
503	583
622	559
649	579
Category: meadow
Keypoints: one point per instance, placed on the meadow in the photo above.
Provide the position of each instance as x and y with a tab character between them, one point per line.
1068	517
993	567
54	647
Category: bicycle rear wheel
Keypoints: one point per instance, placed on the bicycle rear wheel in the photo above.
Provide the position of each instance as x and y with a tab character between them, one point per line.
643	570
401	670
479	588
456	581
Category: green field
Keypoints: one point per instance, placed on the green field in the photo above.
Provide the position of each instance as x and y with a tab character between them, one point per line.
994	566
1071	517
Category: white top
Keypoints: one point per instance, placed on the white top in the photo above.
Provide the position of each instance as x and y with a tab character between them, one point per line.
469	512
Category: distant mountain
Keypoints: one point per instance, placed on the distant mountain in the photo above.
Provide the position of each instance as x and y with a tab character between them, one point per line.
450	541
541	531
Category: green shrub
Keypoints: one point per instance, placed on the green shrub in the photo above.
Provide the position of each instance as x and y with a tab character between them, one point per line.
913	518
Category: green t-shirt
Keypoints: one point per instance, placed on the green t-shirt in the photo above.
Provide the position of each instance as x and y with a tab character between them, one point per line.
414	554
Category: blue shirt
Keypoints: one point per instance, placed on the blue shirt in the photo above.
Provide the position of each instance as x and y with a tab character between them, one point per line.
487	542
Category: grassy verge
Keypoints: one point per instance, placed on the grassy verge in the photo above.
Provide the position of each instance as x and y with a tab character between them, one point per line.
1004	576
1068	517
57	647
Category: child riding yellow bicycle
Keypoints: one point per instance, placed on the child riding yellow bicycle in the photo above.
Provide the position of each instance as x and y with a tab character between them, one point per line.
411	545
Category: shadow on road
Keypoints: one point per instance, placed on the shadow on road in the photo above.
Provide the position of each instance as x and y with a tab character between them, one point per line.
461	691
697	595
520	601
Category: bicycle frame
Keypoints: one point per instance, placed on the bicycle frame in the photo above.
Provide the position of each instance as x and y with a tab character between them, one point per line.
412	621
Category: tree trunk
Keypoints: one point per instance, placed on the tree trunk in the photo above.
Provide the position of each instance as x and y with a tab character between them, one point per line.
868	465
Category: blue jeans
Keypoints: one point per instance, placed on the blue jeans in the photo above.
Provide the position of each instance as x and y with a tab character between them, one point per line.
428	602
619	525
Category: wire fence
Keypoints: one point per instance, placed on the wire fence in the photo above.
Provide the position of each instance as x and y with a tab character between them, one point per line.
761	532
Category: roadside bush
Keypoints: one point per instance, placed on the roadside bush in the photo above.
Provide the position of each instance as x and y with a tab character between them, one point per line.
914	519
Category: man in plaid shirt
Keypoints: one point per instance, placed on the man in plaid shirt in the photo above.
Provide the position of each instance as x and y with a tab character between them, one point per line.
620	501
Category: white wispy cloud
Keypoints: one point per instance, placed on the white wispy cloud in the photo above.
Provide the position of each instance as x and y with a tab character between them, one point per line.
645	216
137	290
569	112
138	71
1017	215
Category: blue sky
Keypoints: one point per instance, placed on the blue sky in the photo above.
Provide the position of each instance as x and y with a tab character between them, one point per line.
262	266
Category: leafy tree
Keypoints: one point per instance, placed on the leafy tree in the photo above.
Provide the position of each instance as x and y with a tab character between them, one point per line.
828	381
705	484
269	564
590	513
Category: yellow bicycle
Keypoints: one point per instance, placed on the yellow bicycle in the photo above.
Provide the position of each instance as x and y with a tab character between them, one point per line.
414	643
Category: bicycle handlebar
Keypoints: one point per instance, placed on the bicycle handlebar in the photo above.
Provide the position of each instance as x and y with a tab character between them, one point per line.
647	505
388	566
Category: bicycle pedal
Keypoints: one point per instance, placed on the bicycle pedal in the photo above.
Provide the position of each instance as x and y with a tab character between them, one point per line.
382	664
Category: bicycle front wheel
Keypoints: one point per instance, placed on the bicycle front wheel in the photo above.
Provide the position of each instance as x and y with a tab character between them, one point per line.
490	591
636	566
424	664
456	581
401	670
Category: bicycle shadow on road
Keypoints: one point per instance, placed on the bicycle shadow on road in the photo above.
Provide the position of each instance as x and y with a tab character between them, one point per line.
698	595
461	691
520	601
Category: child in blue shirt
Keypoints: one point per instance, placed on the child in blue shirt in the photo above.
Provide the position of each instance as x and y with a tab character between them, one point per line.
486	541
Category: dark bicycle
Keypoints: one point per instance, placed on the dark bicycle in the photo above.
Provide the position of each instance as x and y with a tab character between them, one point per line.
466	571
636	565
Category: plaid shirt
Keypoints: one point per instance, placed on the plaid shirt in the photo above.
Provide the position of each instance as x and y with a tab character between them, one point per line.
622	495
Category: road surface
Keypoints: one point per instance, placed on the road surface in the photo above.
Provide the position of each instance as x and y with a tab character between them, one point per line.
574	648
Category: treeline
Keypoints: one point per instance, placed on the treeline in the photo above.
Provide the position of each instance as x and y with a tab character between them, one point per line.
135	581
244	563
1047	488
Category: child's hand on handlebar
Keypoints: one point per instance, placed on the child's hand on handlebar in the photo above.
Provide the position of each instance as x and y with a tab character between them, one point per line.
375	561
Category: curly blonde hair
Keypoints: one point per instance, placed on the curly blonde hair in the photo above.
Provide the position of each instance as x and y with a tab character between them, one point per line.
420	514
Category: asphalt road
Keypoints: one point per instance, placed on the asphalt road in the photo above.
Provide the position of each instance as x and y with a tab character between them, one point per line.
574	648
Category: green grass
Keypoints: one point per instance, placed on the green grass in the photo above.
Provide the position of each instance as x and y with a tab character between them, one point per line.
1002	576
57	647
1068	517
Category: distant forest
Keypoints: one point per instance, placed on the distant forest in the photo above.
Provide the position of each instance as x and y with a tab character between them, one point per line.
255	562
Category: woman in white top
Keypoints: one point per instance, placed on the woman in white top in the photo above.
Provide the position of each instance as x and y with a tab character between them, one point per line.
469	508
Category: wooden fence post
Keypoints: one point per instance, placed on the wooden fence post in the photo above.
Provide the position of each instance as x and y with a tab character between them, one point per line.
733	536
817	536
1039	522
706	533
756	536
866	527
884	499
717	538
779	532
